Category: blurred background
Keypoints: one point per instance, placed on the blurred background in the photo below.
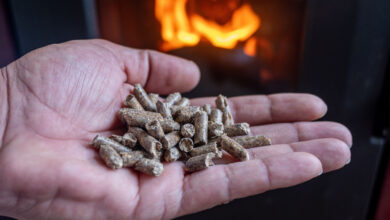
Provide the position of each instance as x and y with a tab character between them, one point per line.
338	50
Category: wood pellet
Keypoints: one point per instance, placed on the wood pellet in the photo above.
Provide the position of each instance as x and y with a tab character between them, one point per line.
172	130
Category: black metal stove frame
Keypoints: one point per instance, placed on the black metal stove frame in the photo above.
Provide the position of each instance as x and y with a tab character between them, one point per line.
345	59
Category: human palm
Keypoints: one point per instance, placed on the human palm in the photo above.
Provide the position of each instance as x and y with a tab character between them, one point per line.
61	96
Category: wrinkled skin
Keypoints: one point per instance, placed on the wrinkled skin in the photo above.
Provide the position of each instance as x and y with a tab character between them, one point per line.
54	100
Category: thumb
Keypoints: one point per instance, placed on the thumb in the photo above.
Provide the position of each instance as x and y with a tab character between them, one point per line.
157	72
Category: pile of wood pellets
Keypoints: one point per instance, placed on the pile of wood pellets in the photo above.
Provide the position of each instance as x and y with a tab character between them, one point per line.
174	130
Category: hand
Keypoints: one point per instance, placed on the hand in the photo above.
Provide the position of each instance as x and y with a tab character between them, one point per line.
61	96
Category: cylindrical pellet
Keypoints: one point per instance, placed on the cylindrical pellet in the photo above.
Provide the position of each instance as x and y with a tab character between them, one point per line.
200	123
100	140
129	140
200	162
227	117
237	129
149	143
234	148
154	97
138	118
169	125
130	158
154	128
222	104
185	115
175	109
216	116
143	98
148	166
132	102
110	157
116	138
172	154
164	109
207	108
173	98
183	102
186	144
170	139
208	148
253	141
187	130
215	129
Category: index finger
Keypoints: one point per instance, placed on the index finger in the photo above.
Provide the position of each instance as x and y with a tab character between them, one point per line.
265	109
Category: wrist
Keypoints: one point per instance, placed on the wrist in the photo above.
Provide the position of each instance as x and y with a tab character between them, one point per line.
4	103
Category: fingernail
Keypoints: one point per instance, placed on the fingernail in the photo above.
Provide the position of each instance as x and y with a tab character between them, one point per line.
321	173
349	161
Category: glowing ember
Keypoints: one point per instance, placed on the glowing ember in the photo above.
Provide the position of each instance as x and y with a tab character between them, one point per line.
180	29
250	47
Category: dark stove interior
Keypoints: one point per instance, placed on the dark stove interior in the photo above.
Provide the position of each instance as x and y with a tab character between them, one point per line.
265	60
338	50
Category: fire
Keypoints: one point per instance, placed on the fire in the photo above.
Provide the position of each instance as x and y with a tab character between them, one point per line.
180	29
250	47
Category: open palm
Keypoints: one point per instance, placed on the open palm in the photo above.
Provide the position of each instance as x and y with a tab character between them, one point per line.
61	96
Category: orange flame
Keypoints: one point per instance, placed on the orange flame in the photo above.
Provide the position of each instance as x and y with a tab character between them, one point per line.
178	29
250	47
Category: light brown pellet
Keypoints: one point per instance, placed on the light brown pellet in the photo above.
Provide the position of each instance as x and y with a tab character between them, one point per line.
129	140
216	116
200	162
116	138
183	102
185	115
173	98
100	140
186	144
234	148
208	148
112	159
200	123
207	108
130	158
154	128
253	141
222	104
148	166
138	118
175	109
154	97
169	125
172	154
237	129
164	109
149	143
170	139
143	98
227	117
132	102
187	130
215	129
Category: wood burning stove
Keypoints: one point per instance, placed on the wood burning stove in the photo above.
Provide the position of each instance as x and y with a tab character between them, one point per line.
337	50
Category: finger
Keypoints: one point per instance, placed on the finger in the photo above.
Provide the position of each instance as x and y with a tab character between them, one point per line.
284	133
332	153
157	72
263	109
223	183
